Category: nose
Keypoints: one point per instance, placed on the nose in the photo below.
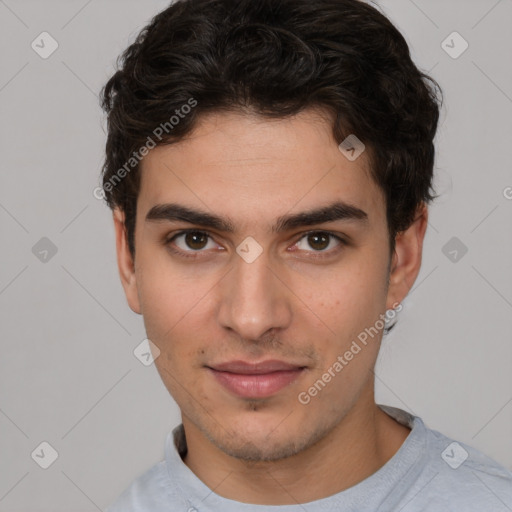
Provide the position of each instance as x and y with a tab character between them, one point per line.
254	299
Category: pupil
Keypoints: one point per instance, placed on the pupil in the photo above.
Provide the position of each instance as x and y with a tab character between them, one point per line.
313	241
195	240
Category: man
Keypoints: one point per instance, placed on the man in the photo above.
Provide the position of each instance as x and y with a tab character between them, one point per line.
269	166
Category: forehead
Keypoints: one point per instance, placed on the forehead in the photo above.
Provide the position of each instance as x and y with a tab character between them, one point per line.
253	169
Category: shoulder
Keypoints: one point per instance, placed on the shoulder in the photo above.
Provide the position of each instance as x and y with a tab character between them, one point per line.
444	474
456	473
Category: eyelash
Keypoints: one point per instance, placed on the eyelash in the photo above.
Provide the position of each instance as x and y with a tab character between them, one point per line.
195	254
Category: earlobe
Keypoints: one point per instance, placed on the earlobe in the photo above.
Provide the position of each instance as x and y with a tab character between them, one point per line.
406	261
125	262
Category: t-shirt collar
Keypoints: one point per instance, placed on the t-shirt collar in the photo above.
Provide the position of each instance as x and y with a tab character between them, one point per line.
403	465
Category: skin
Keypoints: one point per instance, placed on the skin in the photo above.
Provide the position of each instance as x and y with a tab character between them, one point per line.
285	305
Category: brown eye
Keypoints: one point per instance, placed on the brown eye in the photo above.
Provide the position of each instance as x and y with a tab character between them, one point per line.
191	241
318	241
196	240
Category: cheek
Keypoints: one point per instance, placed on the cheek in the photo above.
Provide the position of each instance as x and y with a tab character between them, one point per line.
349	301
346	298
172	300
173	309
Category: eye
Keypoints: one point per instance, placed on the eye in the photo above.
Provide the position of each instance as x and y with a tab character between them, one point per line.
190	242
319	241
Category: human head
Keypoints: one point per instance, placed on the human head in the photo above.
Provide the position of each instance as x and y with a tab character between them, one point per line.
247	103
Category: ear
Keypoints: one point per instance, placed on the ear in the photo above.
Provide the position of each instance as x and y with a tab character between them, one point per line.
125	262
406	260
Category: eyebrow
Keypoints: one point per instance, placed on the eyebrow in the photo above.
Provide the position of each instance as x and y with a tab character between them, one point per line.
336	211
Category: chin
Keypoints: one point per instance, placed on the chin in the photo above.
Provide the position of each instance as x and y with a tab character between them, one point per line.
257	449
266	439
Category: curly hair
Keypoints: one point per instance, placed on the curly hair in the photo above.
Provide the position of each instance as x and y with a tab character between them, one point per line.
275	58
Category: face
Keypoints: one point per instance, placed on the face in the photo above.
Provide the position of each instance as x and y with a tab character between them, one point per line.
262	254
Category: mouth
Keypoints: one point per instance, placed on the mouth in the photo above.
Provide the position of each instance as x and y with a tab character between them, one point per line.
255	380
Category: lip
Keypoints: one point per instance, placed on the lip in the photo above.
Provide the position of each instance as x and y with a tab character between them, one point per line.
255	380
263	367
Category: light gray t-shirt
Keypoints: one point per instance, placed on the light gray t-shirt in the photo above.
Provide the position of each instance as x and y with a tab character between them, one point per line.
429	473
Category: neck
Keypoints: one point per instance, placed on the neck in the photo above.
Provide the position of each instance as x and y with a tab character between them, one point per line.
356	448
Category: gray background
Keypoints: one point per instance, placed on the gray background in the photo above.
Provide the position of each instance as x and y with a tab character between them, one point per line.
68	374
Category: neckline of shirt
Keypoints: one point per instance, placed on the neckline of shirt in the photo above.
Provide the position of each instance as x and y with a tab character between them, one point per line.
373	489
